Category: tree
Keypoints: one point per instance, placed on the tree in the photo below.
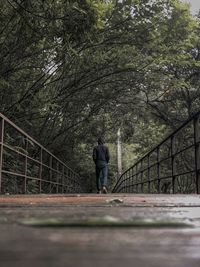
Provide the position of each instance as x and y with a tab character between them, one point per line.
74	69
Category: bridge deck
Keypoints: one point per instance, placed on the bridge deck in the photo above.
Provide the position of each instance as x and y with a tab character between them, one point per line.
22	245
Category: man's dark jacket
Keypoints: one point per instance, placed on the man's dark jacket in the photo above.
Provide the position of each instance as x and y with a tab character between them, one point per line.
101	153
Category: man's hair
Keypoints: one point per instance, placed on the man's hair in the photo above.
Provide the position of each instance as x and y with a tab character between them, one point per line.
101	140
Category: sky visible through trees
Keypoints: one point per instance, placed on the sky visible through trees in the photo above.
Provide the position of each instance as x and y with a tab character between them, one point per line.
195	5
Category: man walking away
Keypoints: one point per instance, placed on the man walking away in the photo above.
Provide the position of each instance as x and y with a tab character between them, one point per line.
101	158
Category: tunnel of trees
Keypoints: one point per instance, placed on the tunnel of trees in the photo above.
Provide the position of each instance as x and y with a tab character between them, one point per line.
73	70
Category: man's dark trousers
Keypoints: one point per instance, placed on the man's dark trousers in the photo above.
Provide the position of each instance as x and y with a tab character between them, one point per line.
101	174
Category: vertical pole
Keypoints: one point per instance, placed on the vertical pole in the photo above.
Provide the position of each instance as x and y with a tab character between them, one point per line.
148	174
136	178
50	173
141	176
125	183
74	185
63	175
132	186
197	152
133	181
70	181
158	168
67	180
73	182
119	153
1	150
40	172
25	168
57	177
172	164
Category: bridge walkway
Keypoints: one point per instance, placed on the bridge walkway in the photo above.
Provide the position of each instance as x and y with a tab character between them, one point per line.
35	230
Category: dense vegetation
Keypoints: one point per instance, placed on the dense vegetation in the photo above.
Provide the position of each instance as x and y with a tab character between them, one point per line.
73	70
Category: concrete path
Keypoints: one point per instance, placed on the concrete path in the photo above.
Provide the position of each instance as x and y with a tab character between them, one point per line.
142	245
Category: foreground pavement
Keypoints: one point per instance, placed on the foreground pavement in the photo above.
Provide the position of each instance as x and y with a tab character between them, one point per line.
149	242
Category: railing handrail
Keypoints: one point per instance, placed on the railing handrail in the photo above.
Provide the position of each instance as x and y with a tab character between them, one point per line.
48	169
35	141
168	137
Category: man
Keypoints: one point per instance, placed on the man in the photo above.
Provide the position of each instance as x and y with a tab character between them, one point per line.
101	158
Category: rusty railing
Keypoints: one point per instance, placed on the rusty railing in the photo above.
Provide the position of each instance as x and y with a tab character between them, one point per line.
27	167
173	166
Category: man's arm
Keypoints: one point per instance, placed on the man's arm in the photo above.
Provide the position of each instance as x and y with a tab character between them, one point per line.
94	155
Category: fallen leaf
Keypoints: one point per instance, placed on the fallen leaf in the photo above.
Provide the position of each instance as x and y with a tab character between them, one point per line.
114	200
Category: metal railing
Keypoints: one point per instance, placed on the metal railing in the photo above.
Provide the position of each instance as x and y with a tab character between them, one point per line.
27	167
173	166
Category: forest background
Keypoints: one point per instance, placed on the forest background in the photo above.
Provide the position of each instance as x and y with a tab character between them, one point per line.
74	70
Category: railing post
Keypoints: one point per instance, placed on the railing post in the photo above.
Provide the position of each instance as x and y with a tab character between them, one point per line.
197	152
40	171
1	150
129	181
75	184
125	183
26	163
132	186
158	168
50	172
172	164
63	176
57	176
148	174
136	178
141	176
133	180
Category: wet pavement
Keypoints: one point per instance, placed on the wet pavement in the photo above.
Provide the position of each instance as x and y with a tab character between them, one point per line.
22	245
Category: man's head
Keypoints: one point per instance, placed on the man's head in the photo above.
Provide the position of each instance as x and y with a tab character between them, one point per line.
101	141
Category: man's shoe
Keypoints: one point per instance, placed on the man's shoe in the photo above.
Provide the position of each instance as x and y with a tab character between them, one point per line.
105	190
99	192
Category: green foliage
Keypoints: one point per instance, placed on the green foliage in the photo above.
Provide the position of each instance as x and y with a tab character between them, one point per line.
72	70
